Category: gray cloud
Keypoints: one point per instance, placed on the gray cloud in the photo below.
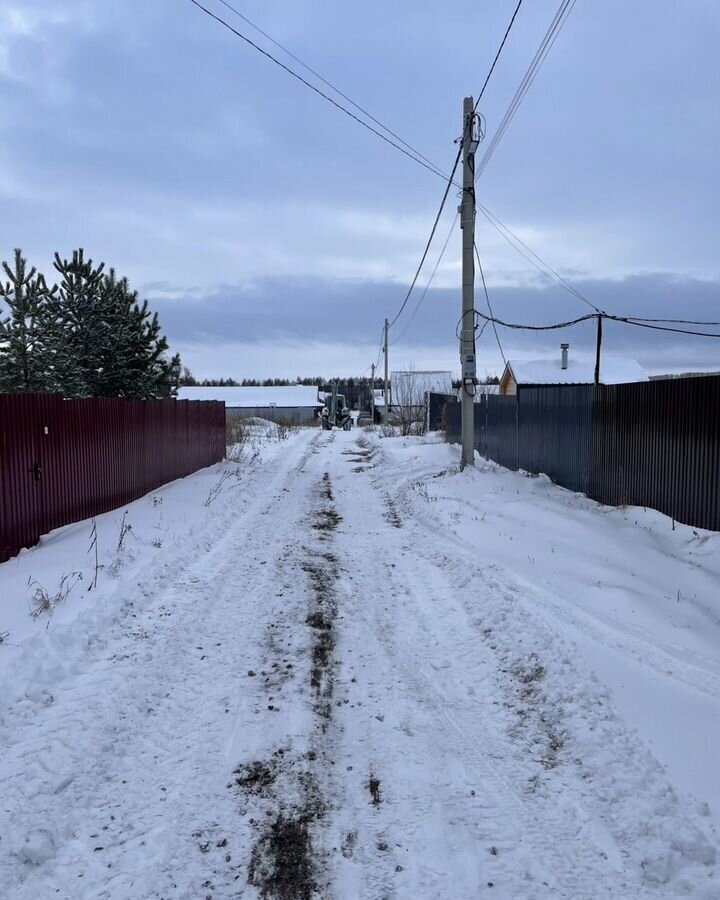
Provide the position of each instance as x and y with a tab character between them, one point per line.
152	137
312	310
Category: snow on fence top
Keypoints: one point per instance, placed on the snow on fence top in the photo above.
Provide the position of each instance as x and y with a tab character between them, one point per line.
251	397
613	370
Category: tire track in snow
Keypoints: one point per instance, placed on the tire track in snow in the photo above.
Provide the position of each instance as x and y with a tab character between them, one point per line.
650	655
122	791
579	855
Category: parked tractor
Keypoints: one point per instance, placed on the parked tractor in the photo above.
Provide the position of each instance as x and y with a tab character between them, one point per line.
335	413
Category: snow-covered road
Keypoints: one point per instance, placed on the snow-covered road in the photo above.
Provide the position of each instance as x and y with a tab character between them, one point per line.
344	681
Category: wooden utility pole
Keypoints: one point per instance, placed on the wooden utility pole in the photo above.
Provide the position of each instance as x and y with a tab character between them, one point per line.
467	333
597	348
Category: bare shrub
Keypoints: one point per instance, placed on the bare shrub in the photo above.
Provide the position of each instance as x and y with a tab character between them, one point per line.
237	436
216	489
125	529
44	601
94	546
408	409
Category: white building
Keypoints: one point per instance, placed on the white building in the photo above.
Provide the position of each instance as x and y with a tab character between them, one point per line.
293	405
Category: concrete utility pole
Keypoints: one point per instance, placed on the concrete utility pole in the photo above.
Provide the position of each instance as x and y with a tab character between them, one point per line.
467	333
386	389
372	392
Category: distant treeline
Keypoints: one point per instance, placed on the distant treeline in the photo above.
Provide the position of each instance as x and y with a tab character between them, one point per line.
187	379
355	390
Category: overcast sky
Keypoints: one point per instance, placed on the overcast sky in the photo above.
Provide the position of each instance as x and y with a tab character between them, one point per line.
274	235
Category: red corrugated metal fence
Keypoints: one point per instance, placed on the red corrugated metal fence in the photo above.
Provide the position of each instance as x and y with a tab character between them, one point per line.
65	460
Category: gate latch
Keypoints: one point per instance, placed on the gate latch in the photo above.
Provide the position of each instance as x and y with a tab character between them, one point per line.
36	471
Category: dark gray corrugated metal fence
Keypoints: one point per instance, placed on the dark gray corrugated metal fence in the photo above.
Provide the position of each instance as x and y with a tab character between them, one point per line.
436	406
452	425
500	429
496	434
65	460
657	444
653	444
554	433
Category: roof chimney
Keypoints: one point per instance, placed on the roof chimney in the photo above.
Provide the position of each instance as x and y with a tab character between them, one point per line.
564	354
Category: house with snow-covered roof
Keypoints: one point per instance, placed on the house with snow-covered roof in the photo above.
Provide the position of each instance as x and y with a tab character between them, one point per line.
293	405
565	369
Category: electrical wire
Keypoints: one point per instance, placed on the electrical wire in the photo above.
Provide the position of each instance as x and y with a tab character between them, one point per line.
672	321
392	143
430	239
534	259
328	83
553	327
545	269
475	326
454	168
430	281
554	29
382	344
490	309
497	55
624	320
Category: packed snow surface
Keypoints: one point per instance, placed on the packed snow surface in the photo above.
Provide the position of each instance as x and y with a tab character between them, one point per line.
338	667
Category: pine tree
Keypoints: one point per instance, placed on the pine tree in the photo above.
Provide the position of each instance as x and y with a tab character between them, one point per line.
24	332
108	343
150	373
82	329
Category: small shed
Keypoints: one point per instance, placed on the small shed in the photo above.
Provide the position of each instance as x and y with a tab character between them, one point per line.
293	405
566	370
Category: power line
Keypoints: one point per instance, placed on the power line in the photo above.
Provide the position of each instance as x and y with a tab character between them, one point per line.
672	321
490	309
639	324
497	55
454	168
430	239
546	269
430	281
329	83
534	259
553	327
411	152
392	143
624	320
382	344
554	29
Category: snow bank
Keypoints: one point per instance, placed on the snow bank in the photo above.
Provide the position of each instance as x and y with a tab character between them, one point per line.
638	595
138	546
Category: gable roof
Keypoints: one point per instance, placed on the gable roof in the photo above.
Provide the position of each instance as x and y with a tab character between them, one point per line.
249	397
613	370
